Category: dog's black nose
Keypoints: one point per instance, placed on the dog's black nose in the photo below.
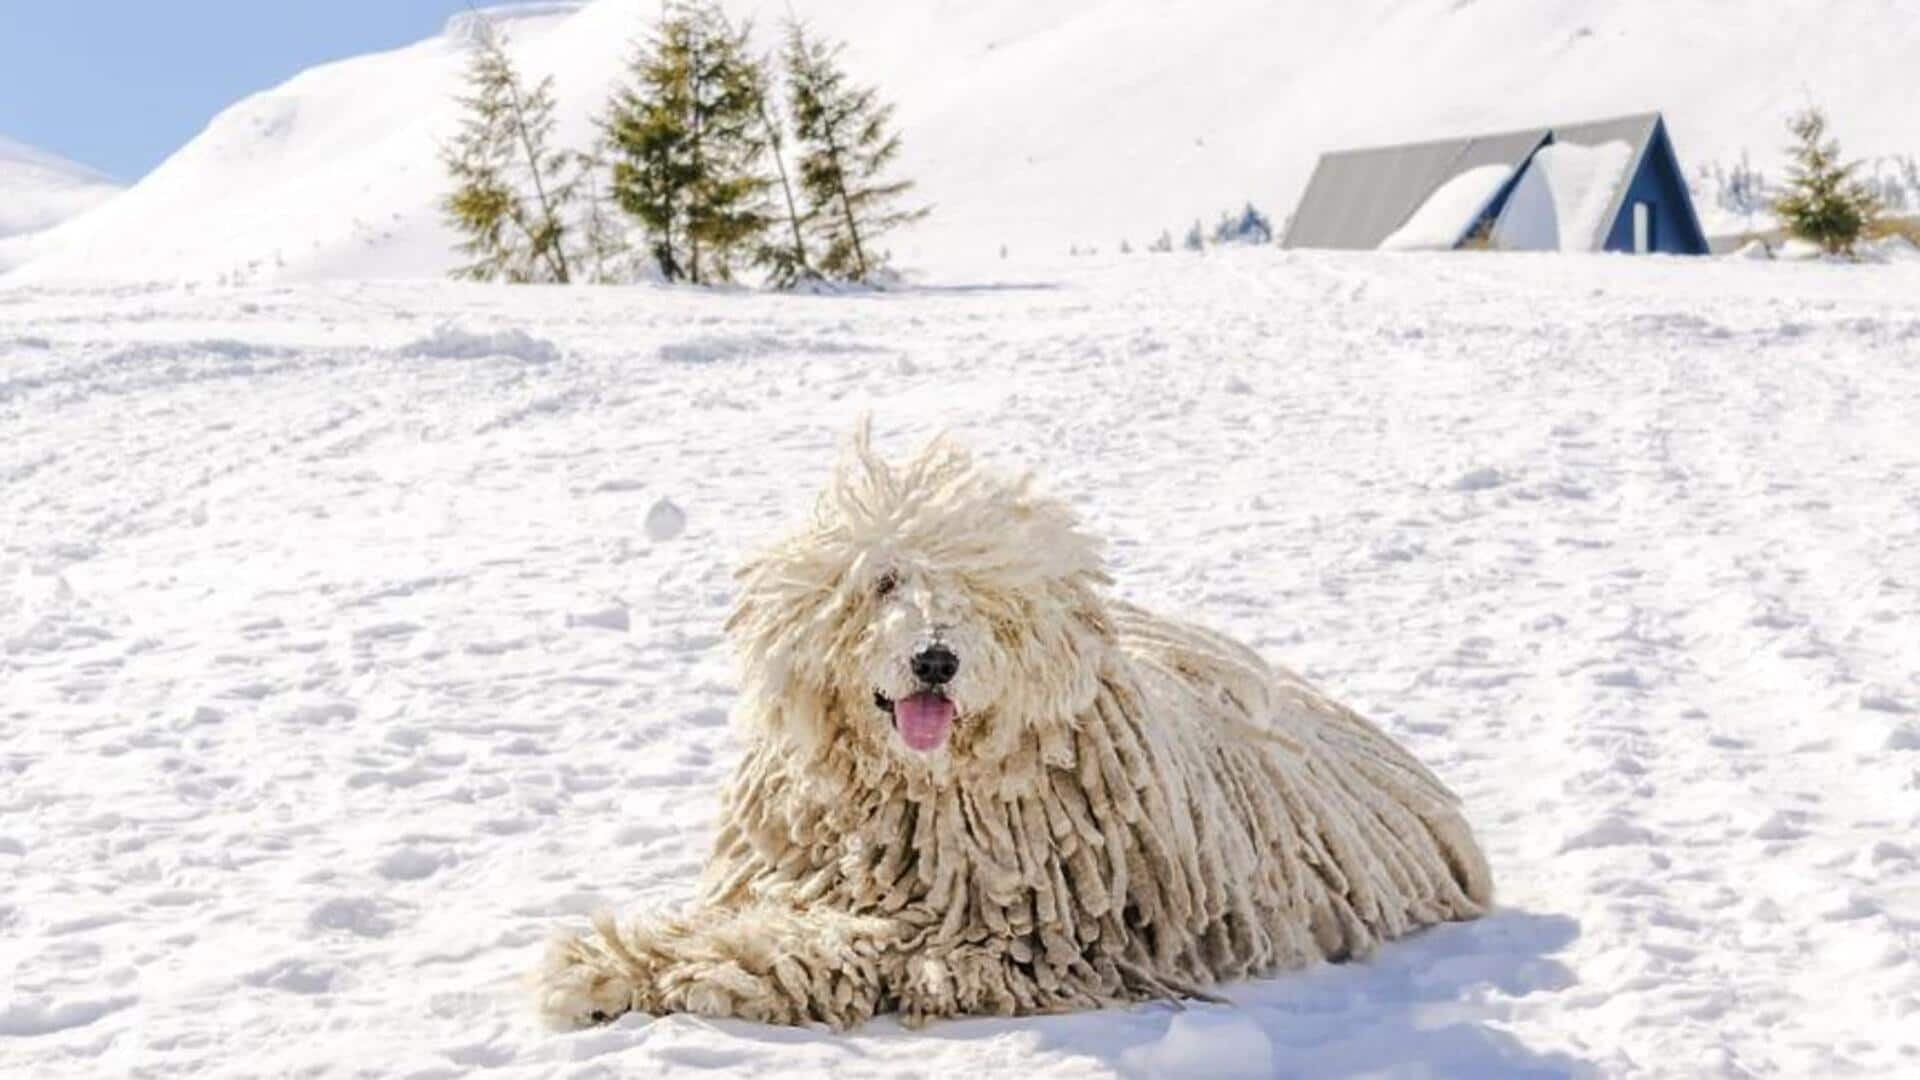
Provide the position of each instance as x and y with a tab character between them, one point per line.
935	665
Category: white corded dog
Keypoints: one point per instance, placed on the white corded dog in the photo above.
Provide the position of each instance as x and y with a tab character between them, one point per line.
974	783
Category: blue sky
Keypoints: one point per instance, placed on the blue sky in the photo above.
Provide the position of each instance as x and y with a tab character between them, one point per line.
120	84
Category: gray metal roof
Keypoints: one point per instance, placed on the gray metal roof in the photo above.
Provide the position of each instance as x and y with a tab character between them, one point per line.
1357	198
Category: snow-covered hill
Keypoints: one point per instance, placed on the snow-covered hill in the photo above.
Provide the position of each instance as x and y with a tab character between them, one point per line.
39	190
1031	124
339	666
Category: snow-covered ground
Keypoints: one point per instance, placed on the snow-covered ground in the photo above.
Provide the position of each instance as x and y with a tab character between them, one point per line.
1033	125
339	664
39	190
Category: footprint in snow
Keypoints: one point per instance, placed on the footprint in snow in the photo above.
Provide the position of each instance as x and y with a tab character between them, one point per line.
29	1017
1481	479
413	864
614	617
293	977
360	916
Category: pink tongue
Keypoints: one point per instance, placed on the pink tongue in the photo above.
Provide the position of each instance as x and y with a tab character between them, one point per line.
924	720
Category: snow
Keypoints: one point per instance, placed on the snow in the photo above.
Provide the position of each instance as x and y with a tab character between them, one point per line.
1440	223
1562	199
1030	126
450	342
665	520
1897	248
333	174
39	190
1796	249
338	676
1213	1042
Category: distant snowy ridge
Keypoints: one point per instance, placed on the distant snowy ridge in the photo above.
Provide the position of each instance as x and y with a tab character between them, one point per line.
1029	127
39	190
464	26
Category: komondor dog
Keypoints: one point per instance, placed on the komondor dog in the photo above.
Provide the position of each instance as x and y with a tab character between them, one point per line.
975	783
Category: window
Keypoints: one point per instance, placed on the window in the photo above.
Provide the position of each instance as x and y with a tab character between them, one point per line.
1642	228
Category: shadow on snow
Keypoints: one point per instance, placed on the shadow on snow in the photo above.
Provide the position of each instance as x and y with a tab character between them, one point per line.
1431	1001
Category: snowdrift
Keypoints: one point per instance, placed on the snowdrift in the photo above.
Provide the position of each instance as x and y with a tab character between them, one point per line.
1443	220
1561	202
1033	126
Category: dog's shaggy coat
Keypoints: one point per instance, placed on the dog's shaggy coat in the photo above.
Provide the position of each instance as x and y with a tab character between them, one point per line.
1126	807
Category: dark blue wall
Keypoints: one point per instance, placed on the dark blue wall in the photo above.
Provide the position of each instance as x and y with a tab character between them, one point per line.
1659	183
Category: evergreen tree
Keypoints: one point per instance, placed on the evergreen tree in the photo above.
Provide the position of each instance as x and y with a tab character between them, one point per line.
511	192
1162	243
1250	226
1743	189
689	135
1823	202
1196	239
846	147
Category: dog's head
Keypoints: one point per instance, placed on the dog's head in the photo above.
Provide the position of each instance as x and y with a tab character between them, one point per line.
932	616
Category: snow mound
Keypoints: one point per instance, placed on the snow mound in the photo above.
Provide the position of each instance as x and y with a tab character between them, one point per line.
1218	1042
1443	220
1898	248
1795	249
451	342
1561	201
39	190
1752	251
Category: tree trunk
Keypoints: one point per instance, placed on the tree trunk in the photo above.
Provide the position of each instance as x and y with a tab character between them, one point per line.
846	203
556	258
786	189
698	143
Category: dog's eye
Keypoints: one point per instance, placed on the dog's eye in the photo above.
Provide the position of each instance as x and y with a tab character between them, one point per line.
888	582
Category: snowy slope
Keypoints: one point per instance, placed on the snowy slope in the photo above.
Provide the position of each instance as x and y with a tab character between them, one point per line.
338	666
39	190
334	173
1034	124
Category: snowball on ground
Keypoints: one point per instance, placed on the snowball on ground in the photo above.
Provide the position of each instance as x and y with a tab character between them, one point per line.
1561	201
1443	220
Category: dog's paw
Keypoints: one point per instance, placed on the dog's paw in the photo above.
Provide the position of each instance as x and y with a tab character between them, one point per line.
725	989
580	986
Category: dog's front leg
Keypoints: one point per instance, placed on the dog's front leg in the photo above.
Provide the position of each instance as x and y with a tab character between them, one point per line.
757	962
